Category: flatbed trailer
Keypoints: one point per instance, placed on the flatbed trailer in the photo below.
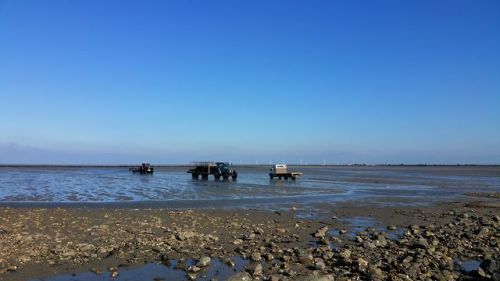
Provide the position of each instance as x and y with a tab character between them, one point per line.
292	176
218	170
281	171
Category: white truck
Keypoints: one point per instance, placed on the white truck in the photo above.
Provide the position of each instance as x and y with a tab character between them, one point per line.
281	171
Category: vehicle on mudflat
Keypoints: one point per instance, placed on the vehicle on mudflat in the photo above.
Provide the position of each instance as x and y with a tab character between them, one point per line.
281	171
144	169
217	169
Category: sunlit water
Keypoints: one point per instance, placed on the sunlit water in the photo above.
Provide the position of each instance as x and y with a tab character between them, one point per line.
172	186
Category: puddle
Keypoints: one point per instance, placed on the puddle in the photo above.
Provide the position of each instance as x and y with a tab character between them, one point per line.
358	224
468	265
157	272
395	234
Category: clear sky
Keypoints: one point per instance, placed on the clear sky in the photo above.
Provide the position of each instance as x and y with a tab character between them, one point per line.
109	82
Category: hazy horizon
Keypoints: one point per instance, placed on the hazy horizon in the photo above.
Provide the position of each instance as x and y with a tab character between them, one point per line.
121	82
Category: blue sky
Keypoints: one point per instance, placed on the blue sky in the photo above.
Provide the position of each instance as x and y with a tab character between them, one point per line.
107	82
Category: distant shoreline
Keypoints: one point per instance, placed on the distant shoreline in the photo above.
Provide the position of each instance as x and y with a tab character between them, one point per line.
239	165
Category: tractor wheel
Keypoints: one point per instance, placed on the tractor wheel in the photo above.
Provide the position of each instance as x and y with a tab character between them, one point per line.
194	176
225	176
235	175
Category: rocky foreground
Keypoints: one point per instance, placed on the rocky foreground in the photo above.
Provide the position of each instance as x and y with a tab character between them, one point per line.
425	244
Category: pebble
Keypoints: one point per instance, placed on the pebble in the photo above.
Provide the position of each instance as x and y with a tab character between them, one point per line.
241	276
256	256
204	262
321	232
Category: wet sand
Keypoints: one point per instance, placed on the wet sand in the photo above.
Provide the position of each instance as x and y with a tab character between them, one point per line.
350	242
407	223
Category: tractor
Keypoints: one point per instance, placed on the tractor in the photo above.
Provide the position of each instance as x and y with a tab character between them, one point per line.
217	169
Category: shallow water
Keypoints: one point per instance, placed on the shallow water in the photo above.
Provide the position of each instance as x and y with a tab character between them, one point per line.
158	271
173	187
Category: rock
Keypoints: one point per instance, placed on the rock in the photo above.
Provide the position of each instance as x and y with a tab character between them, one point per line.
327	255
391	227
69	253
281	230
321	232
490	266
362	263
249	237
96	271
275	277
258	230
376	273
204	262
241	276
184	235
181	265
319	265
305	258
256	269
481	272
342	231
422	243
229	262
345	254
12	268
164	258
317	277
194	269
414	227
237	242
256	256
114	274
368	245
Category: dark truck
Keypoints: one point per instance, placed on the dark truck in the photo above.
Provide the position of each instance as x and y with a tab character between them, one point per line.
144	169
217	169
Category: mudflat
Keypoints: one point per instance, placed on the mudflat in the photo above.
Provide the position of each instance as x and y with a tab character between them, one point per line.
449	241
335	223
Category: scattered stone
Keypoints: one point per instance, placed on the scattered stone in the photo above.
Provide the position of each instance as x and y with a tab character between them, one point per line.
317	277
241	276
204	262
256	269
229	262
345	254
319	265
256	256
321	232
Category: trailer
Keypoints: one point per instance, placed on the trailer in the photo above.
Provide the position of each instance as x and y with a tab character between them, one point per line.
144	169
217	169
281	171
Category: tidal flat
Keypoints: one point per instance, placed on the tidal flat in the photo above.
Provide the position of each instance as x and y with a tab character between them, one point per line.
381	235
